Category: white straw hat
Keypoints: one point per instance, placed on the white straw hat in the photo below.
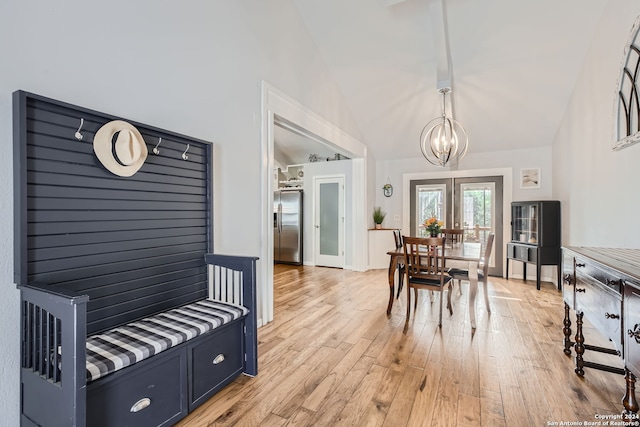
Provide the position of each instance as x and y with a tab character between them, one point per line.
124	157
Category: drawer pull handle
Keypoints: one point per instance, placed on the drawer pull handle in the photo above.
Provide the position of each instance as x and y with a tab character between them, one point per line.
580	264
218	359
140	404
635	333
580	290
567	279
611	316
610	282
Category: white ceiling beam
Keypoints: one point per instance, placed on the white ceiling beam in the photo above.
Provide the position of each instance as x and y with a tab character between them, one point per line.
438	14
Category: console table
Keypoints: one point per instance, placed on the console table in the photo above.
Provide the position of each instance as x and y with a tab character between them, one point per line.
603	286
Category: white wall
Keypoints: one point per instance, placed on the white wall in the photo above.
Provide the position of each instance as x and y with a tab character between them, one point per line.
516	159
472	162
598	188
192	67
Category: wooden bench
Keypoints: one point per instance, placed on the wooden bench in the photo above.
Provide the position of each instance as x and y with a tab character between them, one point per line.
128	317
57	389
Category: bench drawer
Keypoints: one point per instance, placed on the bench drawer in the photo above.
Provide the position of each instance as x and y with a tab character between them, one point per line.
161	379
216	359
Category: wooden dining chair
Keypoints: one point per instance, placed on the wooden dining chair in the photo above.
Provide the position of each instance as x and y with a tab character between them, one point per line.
483	269
424	269
453	235
397	237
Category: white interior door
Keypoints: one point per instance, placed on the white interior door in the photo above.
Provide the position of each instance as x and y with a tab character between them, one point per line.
329	221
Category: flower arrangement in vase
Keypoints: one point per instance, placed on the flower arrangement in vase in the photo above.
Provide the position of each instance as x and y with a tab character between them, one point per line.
433	226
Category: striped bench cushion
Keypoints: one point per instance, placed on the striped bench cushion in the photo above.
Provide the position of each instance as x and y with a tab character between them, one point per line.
125	345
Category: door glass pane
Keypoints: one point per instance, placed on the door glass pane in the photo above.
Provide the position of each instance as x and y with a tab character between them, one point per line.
329	218
430	202
478	213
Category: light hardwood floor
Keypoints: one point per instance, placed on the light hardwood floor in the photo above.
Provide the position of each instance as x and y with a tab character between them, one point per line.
332	357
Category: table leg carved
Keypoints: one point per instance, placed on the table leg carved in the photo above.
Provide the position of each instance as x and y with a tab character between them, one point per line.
579	346
629	400
567	330
609	297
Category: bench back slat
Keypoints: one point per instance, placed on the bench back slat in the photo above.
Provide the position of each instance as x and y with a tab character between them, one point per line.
133	245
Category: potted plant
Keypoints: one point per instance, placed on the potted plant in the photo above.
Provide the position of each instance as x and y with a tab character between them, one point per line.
378	216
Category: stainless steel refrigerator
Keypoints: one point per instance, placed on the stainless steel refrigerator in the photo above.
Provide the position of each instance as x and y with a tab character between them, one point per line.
287	226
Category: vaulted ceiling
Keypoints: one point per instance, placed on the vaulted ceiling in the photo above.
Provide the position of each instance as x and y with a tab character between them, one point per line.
514	66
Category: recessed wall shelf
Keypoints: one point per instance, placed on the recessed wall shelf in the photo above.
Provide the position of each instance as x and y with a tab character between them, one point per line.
291	176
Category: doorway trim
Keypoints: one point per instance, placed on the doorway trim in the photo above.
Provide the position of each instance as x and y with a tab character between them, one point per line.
507	188
277	103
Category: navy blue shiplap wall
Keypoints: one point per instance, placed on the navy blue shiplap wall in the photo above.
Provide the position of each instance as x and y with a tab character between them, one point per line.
134	245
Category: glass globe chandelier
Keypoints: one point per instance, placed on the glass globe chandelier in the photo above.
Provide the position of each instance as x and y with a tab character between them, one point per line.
443	139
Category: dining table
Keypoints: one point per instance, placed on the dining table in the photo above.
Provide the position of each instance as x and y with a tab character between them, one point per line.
460	255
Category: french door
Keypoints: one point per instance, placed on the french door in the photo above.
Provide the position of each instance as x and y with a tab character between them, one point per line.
472	204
